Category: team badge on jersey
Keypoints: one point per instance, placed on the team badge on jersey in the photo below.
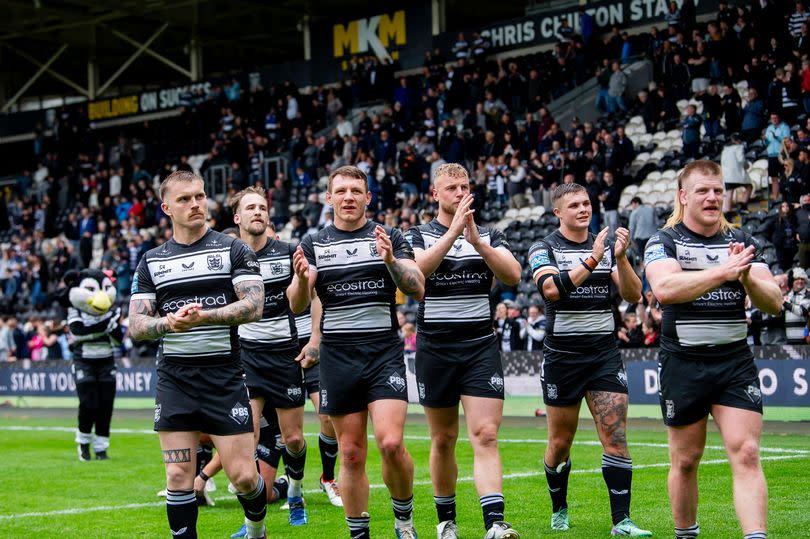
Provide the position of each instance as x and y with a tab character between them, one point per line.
276	268
214	262
372	248
551	391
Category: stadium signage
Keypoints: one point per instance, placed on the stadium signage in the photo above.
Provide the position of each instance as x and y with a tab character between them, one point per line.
130	382
143	103
782	382
541	28
400	34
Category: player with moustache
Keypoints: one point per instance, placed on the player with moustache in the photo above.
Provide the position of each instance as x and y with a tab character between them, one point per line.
701	270
192	293
458	357
356	267
576	274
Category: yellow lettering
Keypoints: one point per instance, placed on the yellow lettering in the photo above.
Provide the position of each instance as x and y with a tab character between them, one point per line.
112	108
392	29
346	37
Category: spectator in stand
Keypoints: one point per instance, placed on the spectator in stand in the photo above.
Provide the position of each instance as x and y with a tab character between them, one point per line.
795	307
753	116
782	229
507	327
803	230
651	337
775	133
643	224
691	133
7	348
610	202
533	330
732	161
617	85
630	334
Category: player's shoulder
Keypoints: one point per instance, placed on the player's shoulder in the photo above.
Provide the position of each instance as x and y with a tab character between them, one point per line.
275	248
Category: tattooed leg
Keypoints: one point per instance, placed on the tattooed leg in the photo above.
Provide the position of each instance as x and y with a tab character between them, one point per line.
179	458
609	411
176	456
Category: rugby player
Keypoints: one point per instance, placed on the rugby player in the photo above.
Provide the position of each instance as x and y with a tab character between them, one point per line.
701	269
356	267
575	272
457	352
269	347
191	293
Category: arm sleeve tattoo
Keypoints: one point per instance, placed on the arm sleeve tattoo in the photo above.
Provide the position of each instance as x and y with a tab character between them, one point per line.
143	324
407	277
247	309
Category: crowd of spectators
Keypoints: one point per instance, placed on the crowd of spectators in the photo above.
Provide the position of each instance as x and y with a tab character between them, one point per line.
90	199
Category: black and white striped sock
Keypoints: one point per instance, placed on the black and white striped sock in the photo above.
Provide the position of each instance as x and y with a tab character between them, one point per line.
618	475
492	505
181	509
687	533
445	507
403	512
358	526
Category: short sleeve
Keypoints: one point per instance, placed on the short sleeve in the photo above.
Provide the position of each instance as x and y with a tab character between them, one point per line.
541	259
659	247
498	239
402	249
309	251
759	259
415	239
142	286
244	264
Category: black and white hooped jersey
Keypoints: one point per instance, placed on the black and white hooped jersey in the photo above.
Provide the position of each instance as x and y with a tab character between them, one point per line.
583	322
277	326
356	290
92	338
174	275
303	325
713	325
456	304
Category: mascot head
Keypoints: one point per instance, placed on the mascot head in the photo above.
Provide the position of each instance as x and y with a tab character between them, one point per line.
90	290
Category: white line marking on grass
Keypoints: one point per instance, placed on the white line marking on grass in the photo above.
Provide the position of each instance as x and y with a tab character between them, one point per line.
24	428
515	475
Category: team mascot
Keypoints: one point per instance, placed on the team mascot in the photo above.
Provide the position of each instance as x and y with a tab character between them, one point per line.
89	296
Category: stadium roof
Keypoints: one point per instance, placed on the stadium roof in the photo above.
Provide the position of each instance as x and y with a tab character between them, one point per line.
60	37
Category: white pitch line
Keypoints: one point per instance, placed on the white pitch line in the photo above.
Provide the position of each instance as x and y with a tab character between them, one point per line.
515	475
419	438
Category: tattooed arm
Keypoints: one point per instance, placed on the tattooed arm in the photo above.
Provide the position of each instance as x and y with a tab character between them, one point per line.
405	272
408	277
248	309
143	324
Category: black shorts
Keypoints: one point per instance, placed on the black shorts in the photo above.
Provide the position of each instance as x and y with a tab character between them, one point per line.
775	168
447	370
688	389
274	376
353	375
207	399
566	377
312	379
101	371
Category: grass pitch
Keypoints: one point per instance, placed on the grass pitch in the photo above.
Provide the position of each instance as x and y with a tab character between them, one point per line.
45	491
